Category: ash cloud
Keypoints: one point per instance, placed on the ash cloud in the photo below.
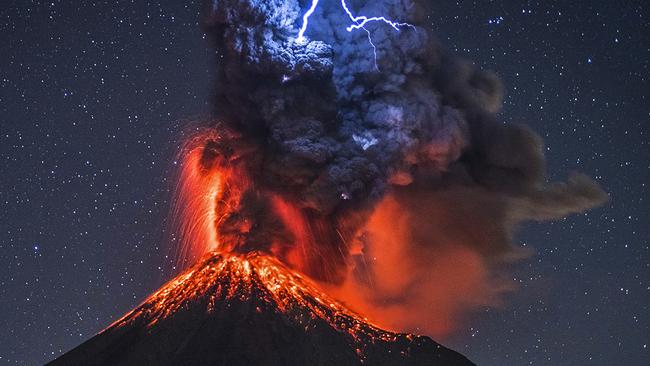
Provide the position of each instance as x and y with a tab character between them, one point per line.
327	131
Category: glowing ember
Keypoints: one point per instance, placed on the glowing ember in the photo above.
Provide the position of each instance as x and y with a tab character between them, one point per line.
194	209
207	198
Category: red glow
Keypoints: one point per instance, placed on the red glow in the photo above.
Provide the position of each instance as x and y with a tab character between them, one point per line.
408	284
217	278
205	196
193	212
296	223
218	208
413	285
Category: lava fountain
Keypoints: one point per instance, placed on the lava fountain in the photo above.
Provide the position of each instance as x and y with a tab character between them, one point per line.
208	190
219	208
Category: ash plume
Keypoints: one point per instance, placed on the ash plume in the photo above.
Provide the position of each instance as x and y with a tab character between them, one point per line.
338	150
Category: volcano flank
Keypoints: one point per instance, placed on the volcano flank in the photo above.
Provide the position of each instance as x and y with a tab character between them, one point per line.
250	310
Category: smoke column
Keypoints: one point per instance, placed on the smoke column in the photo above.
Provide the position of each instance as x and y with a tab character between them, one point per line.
394	184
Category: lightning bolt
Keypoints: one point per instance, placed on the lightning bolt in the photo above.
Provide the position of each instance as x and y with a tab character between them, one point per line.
362	20
305	21
359	22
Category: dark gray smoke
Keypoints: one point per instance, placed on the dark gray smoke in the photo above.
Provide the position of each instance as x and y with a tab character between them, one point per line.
328	131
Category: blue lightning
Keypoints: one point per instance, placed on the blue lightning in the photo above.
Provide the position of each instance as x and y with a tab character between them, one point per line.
359	22
305	20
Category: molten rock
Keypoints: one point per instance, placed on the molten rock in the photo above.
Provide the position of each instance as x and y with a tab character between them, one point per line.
250	310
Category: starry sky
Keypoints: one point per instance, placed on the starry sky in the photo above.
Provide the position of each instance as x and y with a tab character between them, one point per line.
94	97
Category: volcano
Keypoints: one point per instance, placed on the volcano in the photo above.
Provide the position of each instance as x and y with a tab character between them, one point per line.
250	309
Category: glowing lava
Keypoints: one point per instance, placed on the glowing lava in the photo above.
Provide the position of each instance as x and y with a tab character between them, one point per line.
222	278
207	195
219	208
193	214
250	309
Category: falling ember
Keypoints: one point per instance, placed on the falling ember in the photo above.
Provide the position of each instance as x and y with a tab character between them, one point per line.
207	195
193	213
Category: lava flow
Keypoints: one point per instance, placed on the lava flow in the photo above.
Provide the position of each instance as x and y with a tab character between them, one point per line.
219	279
250	309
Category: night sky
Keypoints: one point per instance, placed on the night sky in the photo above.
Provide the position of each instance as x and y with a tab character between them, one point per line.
95	95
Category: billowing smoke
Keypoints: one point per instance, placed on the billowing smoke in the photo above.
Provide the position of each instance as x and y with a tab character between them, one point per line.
385	174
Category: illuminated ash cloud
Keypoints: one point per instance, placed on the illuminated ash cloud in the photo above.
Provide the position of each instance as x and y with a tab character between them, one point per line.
331	127
336	137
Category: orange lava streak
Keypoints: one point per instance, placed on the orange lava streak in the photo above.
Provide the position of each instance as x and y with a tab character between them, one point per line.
194	210
223	277
205	196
